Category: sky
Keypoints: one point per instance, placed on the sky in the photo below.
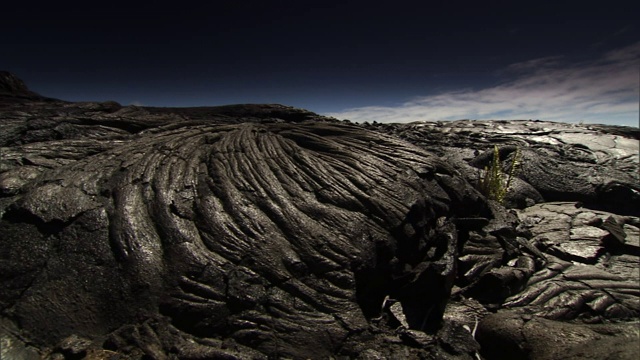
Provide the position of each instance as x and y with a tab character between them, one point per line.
396	61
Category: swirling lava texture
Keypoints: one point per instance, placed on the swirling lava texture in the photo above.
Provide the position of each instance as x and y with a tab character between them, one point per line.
284	237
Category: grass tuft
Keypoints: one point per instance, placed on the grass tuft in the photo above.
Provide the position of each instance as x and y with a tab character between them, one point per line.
493	185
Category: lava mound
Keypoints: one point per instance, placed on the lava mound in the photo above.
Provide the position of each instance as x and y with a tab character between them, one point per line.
284	238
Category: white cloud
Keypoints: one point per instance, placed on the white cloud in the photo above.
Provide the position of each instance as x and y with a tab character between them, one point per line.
602	91
137	103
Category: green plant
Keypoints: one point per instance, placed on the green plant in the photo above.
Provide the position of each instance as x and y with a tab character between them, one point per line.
492	184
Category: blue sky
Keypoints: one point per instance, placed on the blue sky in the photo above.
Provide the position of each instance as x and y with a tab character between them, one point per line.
394	61
600	90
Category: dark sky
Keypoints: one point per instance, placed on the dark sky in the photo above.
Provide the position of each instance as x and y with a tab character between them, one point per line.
393	60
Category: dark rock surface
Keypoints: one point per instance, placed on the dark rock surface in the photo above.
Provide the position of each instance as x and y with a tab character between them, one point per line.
264	231
514	336
593	164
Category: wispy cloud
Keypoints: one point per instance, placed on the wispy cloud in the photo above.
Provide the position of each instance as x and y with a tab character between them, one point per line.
604	90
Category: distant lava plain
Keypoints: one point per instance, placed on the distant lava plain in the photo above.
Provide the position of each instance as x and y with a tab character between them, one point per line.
264	231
